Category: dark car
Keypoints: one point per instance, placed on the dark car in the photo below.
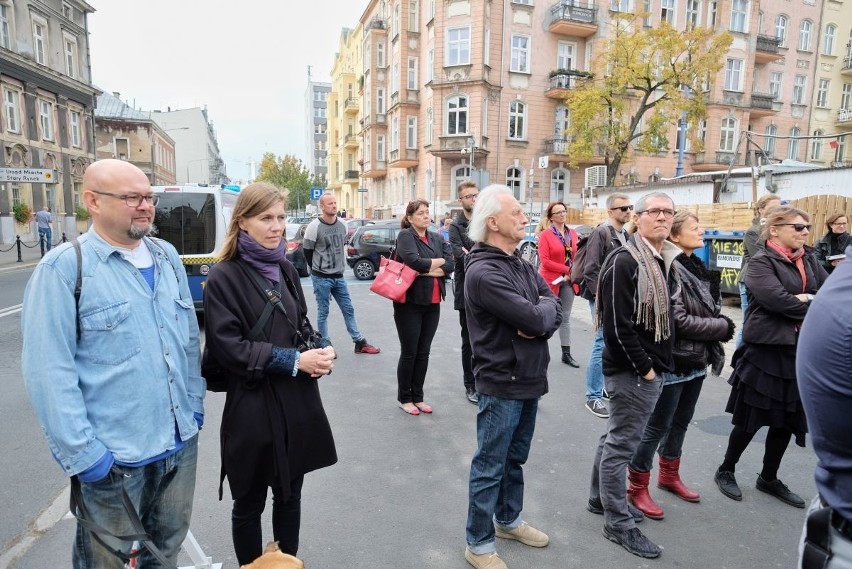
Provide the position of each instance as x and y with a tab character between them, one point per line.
352	226
295	251
370	243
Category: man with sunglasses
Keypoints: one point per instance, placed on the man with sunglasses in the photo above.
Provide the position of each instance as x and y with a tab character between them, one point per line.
606	237
121	403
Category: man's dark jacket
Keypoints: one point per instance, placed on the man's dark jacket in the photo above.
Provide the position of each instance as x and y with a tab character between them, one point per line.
459	242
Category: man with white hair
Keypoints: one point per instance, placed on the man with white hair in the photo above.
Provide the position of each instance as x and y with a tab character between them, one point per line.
511	313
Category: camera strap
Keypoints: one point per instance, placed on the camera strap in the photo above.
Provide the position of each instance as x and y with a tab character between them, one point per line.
272	295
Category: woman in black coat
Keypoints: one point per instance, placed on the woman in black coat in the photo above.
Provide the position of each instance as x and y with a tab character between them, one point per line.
781	280
416	319
835	242
274	428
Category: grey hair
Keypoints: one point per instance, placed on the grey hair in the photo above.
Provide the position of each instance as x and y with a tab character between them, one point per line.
616	196
640	203
487	205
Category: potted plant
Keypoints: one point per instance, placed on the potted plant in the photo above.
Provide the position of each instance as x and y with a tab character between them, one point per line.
22	212
81	212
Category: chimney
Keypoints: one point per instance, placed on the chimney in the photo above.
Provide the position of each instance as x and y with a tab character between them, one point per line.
116	94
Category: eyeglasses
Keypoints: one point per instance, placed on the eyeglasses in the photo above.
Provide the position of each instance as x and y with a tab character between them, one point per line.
469	197
655	213
560	212
132	200
623	208
798	227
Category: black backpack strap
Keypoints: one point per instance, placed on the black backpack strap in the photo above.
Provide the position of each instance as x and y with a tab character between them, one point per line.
78	284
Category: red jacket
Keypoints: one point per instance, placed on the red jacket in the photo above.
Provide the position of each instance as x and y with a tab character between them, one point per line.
551	254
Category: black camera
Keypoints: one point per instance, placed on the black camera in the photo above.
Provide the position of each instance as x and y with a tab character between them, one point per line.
308	339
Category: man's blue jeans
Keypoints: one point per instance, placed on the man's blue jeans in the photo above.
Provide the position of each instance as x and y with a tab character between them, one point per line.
594	371
162	494
324	289
504	431
45	236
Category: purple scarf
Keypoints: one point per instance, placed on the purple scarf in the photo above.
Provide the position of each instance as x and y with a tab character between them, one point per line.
264	261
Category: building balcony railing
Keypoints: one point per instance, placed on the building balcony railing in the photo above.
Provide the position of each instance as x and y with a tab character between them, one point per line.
579	21
374	169
351	175
376	24
351	105
712	160
350	141
562	80
405	158
844	115
768	49
847	65
556	147
763	104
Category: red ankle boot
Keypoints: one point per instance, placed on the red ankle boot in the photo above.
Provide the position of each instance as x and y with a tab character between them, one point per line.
638	494
669	479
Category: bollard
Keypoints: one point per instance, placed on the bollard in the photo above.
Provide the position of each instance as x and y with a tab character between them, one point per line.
18	243
64	238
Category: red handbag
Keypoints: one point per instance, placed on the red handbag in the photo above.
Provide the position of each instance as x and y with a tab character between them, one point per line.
393	279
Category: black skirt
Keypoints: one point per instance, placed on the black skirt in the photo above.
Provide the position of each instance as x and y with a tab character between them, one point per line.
764	391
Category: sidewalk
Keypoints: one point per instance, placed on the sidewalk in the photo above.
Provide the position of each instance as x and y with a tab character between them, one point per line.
30	254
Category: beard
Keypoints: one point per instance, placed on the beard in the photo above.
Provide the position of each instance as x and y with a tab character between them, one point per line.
136	233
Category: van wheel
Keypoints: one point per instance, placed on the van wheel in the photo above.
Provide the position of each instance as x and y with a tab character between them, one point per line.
364	270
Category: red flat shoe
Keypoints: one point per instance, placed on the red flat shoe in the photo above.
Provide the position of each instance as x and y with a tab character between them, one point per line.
424	407
413	410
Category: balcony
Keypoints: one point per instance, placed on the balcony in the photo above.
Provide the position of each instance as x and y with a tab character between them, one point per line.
406	158
350	106
847	66
768	49
375	169
720	160
376	24
844	115
598	156
577	21
556	149
351	175
450	147
562	81
350	142
762	105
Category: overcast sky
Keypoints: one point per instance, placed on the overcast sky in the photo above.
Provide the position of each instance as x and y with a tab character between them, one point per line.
247	61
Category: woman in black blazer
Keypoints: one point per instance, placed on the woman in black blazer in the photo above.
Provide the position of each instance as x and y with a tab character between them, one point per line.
417	318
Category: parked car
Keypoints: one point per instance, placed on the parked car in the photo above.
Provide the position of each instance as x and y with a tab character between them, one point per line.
528	247
295	251
352	226
299	220
370	243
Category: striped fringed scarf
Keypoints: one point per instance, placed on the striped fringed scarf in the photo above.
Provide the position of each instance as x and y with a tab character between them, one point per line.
652	309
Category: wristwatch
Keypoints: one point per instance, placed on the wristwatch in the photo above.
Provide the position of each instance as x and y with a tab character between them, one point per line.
810	298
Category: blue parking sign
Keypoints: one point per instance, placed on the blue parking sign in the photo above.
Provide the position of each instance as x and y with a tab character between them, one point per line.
316	193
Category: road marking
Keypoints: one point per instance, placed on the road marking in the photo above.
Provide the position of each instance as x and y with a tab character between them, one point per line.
11	310
56	511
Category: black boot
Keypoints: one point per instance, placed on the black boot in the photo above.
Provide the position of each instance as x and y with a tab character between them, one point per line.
566	357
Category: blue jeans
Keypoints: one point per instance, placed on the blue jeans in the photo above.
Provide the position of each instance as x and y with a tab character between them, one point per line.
161	492
504	431
744	306
594	371
667	425
324	289
45	236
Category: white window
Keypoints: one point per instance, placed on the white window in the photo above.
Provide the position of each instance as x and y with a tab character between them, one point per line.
693	13
805	35
621	5
846	96
413	11
667	12
775	83
458	46
394	78
394	135
799	89
319	112
430	64
394	31
412	73
68	10
557	184
46	119
734	74
822	93
430	124
520	62
793	149
828	39
457	115
514	180
40	41
816	148
411	132
11	112
524	2
380	55
431	9
739	16
486	47
70	56
76	138
769	142
380	148
711	14
781	29
565	55
380	101
517	120
729	134
5	28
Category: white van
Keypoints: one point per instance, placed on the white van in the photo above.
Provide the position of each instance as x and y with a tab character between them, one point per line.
194	218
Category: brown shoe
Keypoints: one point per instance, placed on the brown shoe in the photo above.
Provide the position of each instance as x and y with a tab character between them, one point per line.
484	561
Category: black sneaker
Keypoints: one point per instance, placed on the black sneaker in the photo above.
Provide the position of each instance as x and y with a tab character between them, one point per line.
727	483
634	541
597	408
471	395
596	507
779	490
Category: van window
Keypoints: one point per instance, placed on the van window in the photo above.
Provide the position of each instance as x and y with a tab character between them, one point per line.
188	221
378	236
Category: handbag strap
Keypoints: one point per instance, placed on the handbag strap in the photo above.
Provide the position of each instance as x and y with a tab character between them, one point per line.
273	295
79	510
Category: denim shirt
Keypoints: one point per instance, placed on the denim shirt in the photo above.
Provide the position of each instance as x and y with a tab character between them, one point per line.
133	378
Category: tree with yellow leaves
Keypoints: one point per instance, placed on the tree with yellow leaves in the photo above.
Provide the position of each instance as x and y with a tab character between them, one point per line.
289	174
643	80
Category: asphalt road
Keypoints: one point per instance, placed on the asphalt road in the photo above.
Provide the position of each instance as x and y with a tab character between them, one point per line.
398	495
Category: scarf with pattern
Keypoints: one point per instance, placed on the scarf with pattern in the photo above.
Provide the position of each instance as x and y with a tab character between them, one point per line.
652	310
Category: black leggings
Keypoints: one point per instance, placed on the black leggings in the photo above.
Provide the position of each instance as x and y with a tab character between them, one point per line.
286	518
415	325
777	440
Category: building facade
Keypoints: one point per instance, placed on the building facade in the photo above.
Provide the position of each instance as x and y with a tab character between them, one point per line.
47	102
316	119
124	133
197	157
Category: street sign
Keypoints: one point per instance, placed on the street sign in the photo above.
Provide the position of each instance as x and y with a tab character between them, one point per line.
37	175
362	190
316	193
543	161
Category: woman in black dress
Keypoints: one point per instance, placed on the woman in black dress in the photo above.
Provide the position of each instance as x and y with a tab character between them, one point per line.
782	279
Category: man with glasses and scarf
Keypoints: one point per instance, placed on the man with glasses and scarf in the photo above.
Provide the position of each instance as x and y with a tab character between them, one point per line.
634	311
113	371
